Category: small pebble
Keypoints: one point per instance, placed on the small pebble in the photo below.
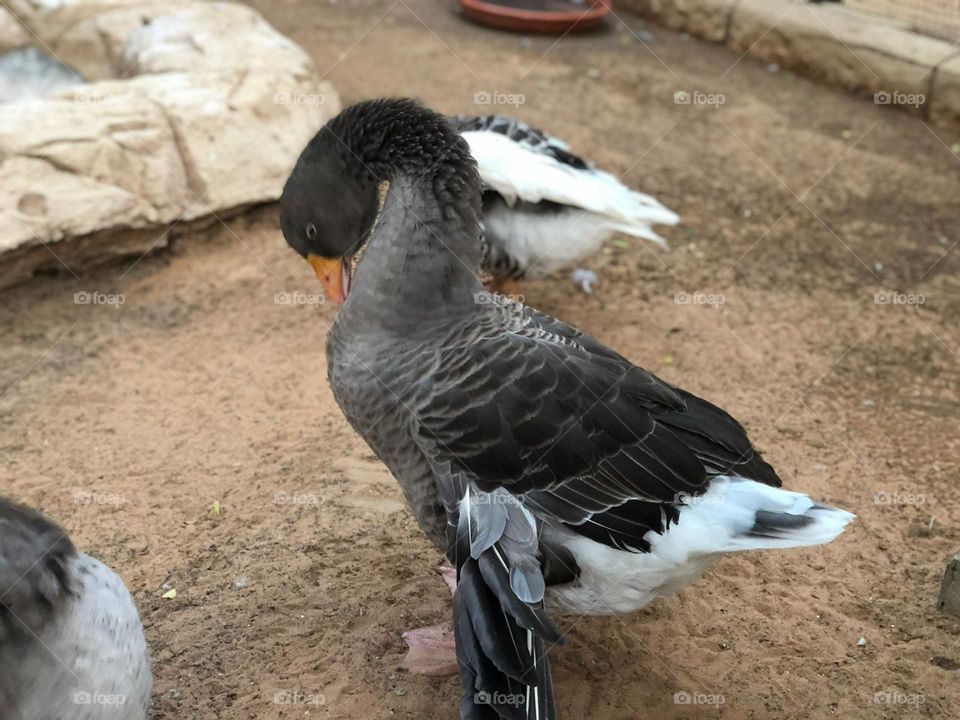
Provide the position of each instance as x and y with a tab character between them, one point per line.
241	582
773	67
593	72
869	403
878	266
862	642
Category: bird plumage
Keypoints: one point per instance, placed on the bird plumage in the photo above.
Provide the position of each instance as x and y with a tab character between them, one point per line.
545	208
540	461
71	641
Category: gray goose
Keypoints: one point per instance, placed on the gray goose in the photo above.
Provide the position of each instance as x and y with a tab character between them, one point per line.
546	209
71	641
553	473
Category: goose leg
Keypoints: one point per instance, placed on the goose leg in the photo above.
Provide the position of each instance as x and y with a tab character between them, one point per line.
432	650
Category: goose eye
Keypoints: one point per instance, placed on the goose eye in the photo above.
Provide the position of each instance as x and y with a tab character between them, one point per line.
311	231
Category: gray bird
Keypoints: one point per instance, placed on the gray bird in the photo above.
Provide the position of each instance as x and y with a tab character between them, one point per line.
71	641
553	473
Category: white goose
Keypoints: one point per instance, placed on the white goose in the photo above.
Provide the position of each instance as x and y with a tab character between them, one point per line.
546	209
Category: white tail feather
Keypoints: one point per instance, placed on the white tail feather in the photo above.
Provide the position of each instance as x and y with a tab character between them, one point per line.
738	514
724	519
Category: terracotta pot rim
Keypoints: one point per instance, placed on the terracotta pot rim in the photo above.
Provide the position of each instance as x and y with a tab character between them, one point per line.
536	19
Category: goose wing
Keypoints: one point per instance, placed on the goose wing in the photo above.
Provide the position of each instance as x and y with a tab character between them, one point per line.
529	421
522	134
521	163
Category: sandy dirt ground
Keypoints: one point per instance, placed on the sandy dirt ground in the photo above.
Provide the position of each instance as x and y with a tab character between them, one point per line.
801	205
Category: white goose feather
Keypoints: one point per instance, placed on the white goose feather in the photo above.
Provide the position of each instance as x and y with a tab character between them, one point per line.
519	172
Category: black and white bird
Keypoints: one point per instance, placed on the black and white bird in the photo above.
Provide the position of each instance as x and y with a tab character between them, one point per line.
554	474
546	209
71	640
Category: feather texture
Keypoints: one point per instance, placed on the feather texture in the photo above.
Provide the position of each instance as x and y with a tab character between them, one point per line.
34	580
546	208
71	641
545	465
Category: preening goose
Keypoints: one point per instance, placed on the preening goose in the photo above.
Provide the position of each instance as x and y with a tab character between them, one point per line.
553	473
71	641
546	209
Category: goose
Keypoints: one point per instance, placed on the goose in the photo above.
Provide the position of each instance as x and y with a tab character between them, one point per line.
556	476
546	209
71	641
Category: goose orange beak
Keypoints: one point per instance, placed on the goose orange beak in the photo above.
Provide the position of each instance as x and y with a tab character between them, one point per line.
334	274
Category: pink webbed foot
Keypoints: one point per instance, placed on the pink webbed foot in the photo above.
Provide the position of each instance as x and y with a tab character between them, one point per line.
432	651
